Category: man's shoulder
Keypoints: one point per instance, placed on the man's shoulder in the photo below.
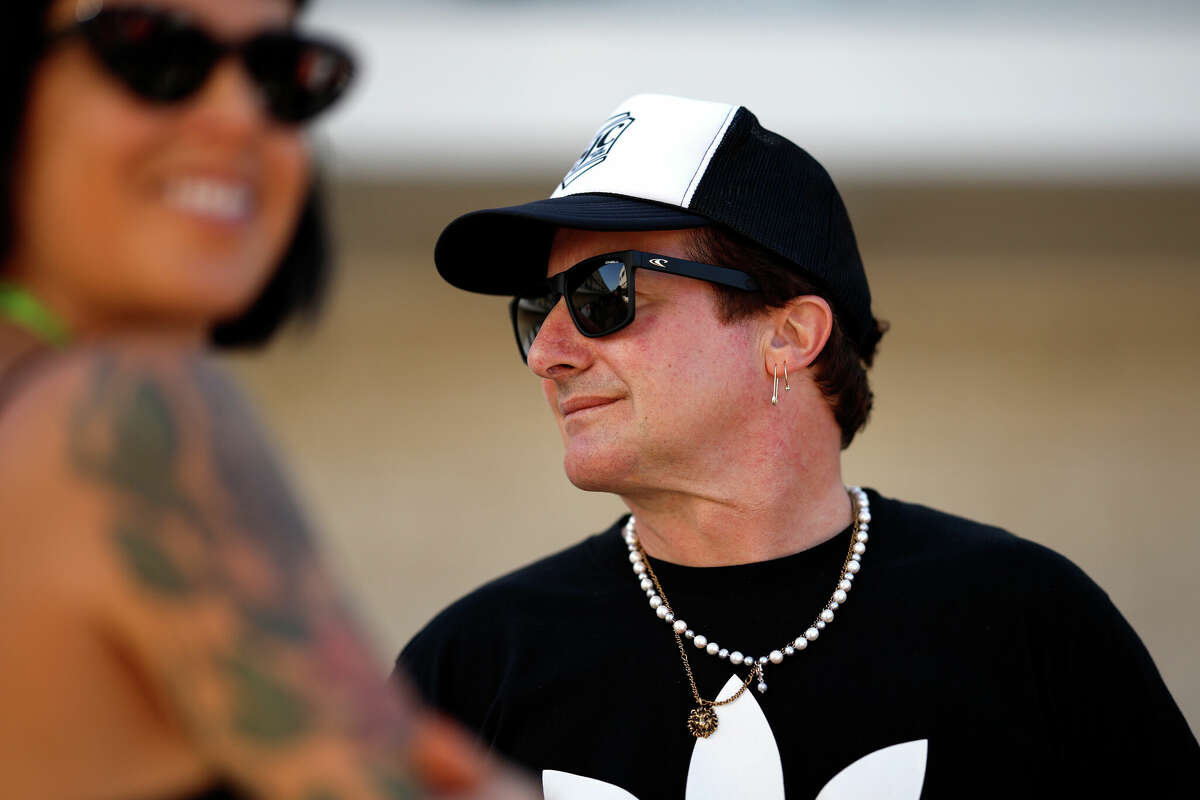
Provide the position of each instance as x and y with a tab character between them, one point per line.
462	657
569	575
916	535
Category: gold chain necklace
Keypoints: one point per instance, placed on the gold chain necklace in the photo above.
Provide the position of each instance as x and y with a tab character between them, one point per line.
702	721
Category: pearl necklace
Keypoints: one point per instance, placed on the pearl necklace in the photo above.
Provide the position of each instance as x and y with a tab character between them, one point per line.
703	721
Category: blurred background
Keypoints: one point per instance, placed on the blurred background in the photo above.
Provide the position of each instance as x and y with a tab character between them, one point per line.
1024	178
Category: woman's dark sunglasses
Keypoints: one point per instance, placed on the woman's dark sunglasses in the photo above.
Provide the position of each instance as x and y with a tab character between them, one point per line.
600	295
164	58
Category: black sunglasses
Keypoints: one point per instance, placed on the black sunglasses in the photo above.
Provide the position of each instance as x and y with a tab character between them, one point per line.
163	57
600	295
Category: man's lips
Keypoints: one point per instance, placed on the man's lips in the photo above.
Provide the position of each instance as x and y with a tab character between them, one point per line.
576	404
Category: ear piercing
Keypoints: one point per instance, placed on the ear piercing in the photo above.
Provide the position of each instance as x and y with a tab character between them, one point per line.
787	387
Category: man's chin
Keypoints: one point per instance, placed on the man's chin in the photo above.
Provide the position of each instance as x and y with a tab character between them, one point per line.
597	472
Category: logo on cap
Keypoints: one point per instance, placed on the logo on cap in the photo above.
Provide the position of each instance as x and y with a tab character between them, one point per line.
605	138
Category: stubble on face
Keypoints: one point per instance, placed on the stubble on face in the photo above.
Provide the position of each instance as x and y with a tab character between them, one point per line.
678	371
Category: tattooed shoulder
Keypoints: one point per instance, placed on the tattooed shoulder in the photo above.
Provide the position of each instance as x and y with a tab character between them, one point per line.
198	500
244	633
165	441
184	497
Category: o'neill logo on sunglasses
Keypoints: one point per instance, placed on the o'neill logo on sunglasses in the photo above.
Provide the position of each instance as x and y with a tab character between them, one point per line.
598	150
660	262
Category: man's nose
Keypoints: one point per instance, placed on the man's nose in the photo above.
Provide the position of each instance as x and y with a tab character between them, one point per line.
558	348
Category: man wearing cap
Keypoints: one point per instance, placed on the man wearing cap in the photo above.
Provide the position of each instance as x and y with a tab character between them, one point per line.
692	298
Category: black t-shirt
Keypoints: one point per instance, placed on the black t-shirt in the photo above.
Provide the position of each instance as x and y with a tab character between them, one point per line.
966	662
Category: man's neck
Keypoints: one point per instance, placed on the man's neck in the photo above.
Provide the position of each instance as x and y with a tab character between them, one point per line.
758	524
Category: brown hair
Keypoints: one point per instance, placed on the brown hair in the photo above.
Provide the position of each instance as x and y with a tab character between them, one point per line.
841	368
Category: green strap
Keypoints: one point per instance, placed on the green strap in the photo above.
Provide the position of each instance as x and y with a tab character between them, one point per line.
21	308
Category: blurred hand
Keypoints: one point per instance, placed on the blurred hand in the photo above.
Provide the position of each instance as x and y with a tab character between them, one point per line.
450	764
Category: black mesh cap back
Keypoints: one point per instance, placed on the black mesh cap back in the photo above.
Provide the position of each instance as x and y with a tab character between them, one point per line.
766	188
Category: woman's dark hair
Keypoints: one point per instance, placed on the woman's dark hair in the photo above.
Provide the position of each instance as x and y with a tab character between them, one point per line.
841	368
296	288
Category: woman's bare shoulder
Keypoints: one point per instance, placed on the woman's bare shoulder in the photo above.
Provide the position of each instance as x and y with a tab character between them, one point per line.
78	418
213	581
57	383
87	432
201	562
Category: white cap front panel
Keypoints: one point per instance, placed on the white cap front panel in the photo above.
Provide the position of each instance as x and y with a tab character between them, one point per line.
654	147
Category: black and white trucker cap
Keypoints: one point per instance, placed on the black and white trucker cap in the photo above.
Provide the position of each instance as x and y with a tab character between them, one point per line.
668	163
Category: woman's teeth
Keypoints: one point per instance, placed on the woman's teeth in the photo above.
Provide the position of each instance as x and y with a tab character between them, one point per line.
222	201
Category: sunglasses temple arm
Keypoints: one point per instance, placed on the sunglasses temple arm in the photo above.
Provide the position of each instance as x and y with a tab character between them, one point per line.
705	272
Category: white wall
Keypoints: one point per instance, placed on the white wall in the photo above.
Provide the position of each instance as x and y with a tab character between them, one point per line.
500	89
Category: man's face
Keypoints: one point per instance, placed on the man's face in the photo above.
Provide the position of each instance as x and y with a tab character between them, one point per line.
658	404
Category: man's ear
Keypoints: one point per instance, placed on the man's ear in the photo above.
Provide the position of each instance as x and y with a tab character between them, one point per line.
798	334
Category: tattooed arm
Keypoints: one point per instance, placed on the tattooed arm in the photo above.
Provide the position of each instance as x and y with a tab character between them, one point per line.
211	584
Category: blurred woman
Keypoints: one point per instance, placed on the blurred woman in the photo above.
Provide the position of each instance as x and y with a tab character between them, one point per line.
168	628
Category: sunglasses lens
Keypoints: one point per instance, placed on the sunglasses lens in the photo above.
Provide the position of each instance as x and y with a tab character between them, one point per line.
156	55
163	58
599	296
528	315
601	300
299	78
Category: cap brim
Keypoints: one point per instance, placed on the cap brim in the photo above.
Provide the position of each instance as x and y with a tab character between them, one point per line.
504	250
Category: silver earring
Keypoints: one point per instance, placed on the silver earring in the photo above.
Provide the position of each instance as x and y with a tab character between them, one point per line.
775	388
787	387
